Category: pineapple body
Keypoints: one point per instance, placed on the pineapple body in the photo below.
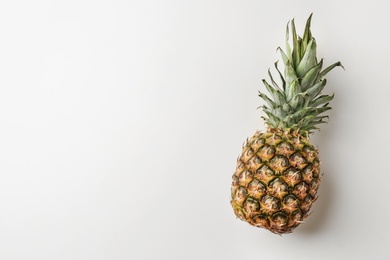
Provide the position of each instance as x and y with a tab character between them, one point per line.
276	180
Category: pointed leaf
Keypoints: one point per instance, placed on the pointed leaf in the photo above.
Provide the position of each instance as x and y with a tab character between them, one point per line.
297	116
277	96
288	48
316	89
281	76
310	77
293	90
321	100
296	53
284	56
319	110
272	120
312	125
321	117
307	33
279	112
267	100
297	101
290	75
305	121
273	81
309	59
325	71
308	120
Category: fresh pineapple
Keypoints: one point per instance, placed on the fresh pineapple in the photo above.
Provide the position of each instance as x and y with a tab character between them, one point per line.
278	173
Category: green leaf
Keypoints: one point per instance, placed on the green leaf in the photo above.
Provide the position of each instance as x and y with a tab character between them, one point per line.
321	100
307	120
293	90
325	71
296	53
310	77
277	96
319	110
271	119
279	112
316	89
273	81
290	75
288	48
297	116
312	125
297	101
281	76
267	100
307	33
309	59
284	56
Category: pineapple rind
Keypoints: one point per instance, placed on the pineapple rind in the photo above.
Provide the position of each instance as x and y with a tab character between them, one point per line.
276	180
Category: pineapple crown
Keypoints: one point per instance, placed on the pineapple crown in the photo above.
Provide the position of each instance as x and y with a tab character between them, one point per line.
298	104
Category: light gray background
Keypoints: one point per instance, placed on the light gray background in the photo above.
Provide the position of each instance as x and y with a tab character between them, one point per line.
120	124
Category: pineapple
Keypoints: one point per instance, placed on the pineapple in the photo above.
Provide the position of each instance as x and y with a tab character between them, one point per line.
278	172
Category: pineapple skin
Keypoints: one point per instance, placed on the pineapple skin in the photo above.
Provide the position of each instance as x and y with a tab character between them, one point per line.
276	180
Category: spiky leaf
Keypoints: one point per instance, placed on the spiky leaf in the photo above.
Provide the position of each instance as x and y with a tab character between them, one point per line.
297	102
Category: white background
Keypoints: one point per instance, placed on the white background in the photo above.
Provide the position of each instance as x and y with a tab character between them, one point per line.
121	122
